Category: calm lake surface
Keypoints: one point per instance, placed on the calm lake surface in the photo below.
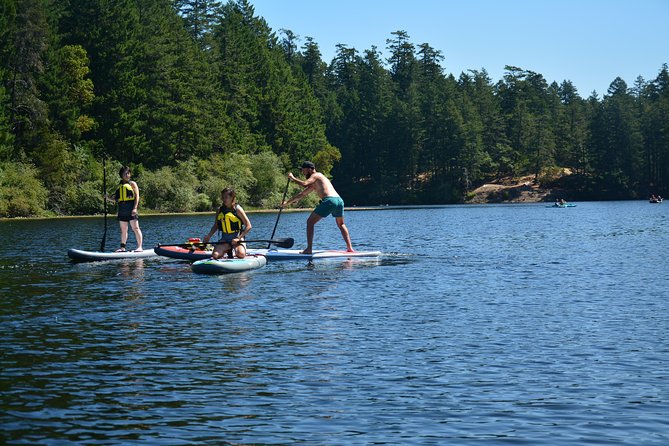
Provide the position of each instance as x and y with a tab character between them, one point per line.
515	324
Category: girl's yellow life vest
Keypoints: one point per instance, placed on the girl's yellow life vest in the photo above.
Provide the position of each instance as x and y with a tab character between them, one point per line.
227	220
125	192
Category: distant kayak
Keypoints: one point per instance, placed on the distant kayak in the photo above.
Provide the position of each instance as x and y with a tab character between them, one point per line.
294	254
568	205
92	256
227	266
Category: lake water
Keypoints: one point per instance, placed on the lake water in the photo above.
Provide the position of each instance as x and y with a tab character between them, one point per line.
515	324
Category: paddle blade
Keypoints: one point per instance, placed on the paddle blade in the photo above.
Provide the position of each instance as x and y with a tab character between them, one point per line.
283	242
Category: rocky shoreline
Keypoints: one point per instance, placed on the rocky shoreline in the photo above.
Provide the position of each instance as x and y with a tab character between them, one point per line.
513	190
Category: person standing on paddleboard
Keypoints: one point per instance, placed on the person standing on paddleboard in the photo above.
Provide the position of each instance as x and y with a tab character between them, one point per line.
127	198
331	203
234	225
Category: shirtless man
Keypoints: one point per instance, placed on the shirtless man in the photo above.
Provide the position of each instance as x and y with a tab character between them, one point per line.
331	203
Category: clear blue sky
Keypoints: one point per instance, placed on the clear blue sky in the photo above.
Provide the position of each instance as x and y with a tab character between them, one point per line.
589	42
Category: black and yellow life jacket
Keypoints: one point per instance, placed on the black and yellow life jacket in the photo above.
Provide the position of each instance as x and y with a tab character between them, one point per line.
228	221
125	193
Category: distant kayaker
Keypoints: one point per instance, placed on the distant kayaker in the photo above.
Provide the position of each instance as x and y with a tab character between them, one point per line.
127	197
234	225
331	203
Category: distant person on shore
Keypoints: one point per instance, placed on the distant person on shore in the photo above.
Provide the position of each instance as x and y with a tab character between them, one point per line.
127	198
233	224
331	203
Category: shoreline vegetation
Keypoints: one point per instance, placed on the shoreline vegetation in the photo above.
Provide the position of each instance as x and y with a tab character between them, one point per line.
508	190
195	106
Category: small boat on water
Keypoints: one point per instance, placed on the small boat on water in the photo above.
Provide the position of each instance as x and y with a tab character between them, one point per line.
565	205
192	253
561	203
654	199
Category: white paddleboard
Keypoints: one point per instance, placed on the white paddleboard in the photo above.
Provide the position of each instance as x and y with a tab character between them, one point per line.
294	254
92	256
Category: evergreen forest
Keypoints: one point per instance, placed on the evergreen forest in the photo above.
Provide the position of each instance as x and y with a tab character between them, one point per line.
198	95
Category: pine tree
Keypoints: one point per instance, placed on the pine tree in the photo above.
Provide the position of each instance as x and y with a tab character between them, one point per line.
655	127
619	164
7	20
27	41
200	18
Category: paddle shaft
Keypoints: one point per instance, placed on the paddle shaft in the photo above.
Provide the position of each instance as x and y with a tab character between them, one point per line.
282	242
276	223
104	200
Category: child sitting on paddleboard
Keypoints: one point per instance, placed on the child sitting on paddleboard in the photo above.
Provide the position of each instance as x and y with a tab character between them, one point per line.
233	224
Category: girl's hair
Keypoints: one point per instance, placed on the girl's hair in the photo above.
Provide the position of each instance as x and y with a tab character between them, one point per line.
123	171
229	191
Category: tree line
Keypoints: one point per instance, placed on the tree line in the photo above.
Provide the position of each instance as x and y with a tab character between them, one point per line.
198	95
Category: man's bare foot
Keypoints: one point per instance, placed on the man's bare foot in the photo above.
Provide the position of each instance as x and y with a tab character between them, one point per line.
138	250
306	251
350	250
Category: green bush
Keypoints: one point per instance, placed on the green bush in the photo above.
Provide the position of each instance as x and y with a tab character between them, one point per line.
169	189
230	170
22	194
84	198
270	180
202	203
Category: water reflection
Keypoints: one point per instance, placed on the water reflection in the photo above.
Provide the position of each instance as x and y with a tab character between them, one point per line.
236	281
132	270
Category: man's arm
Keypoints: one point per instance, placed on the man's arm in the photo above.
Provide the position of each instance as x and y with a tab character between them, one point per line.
303	183
298	197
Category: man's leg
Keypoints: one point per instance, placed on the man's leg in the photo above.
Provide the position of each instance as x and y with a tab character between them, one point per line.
311	222
344	233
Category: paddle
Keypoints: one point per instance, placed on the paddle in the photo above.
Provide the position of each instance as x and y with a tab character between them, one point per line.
280	242
279	214
104	199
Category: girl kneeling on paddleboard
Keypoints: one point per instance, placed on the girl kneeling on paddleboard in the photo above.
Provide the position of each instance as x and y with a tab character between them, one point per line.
233	224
